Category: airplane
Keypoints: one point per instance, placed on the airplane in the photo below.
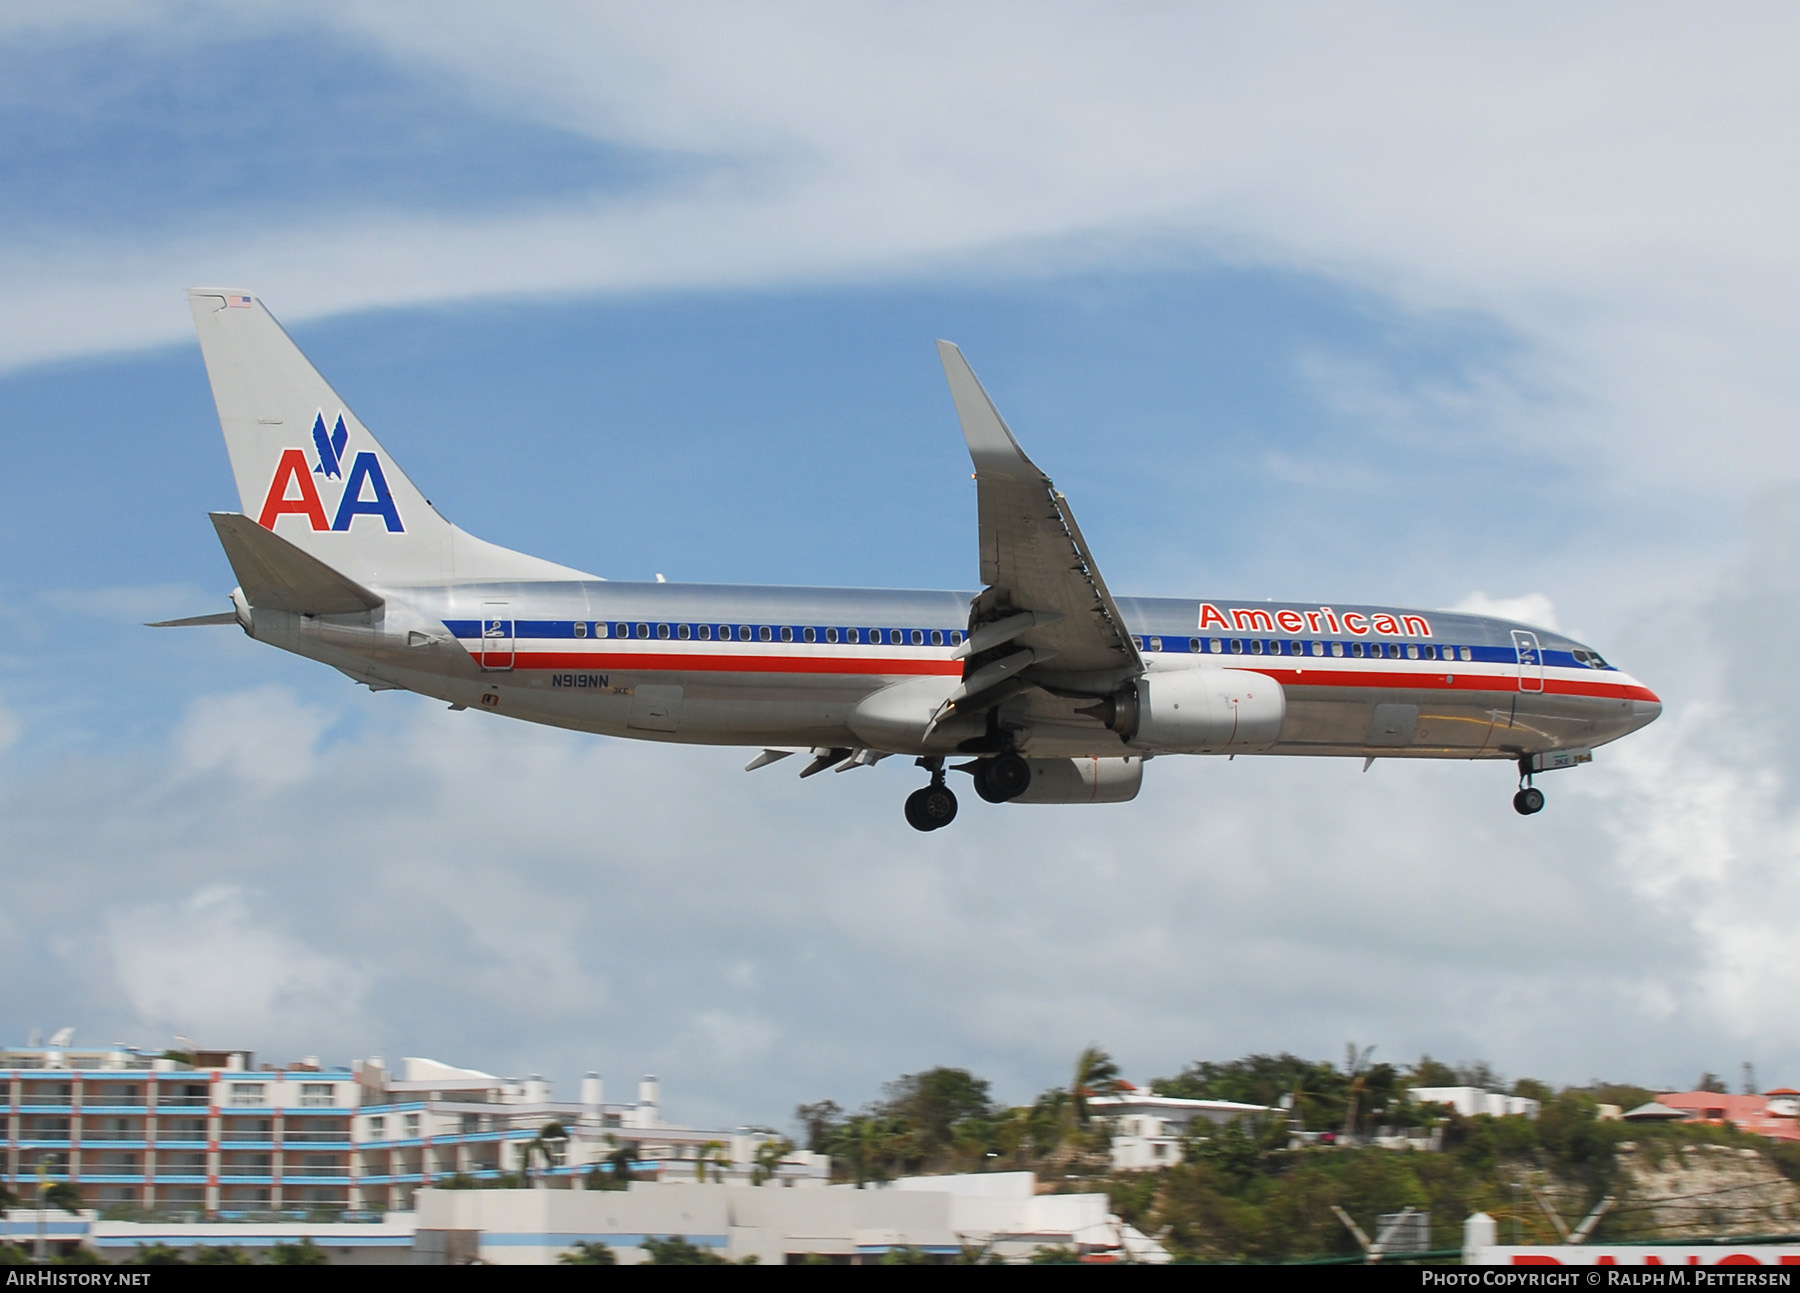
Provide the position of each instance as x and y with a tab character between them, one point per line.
1042	686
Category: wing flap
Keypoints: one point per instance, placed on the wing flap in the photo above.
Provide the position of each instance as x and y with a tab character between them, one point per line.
279	576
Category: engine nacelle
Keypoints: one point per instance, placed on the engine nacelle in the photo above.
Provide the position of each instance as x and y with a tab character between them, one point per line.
1198	711
1082	781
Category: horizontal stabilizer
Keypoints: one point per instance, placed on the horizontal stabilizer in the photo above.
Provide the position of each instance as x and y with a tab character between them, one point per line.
196	621
278	576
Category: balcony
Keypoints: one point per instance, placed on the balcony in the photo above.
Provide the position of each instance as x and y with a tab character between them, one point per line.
265	1136
341	1137
111	1100
46	1100
183	1101
340	1171
133	1134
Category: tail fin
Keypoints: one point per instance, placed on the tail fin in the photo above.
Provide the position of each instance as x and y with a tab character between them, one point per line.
308	469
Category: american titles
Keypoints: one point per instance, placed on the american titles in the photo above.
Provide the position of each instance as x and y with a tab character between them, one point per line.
1255	619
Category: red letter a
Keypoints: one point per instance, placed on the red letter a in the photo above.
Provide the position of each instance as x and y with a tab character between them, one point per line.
293	467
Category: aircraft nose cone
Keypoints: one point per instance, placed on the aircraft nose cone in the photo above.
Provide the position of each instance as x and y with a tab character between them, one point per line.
1644	712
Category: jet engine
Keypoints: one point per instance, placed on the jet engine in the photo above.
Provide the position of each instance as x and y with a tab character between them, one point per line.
1197	711
1082	781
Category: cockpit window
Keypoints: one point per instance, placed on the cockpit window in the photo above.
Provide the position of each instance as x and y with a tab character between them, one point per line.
1589	658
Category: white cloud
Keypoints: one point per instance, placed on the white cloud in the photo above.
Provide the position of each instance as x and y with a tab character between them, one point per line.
213	966
1618	194
265	738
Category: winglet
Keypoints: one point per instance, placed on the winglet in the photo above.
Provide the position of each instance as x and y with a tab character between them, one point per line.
992	445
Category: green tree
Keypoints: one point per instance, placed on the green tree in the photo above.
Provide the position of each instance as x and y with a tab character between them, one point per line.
223	1255
1055	1256
711	1155
903	1255
304	1253
588	1254
61	1194
819	1124
769	1155
13	1255
1095	1074
678	1250
547	1147
931	1104
158	1255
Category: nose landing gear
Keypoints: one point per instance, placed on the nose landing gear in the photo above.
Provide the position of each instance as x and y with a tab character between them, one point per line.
1530	799
931	807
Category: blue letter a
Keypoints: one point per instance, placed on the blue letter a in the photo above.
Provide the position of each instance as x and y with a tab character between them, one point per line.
367	468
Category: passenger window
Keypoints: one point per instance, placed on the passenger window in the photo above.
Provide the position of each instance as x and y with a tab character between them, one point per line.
852	635
787	634
766	633
811	635
1356	649
956	637
1318	648
643	630
1237	646
918	637
1299	648
1337	648
1412	650
706	633
1256	646
937	637
580	629
1430	651
1217	646
1156	644
744	634
662	630
831	635
1194	645
683	632
1466	654
600	630
622	630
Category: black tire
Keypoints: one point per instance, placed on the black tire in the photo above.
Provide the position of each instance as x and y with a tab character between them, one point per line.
1008	776
1528	801
930	808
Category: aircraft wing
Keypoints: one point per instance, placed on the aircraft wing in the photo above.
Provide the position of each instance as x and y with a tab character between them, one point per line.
1043	590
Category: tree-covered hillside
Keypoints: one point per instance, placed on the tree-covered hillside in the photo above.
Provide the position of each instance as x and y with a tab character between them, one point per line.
1337	1134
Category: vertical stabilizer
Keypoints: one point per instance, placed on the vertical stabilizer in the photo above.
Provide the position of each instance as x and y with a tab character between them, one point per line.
308	469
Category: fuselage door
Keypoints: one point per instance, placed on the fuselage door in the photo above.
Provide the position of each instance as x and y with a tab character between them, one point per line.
496	636
1531	660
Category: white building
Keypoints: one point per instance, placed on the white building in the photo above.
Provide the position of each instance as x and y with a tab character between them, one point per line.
1148	1129
211	1134
1000	1212
1472	1101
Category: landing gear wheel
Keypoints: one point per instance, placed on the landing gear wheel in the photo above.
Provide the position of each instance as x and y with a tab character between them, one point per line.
930	808
1007	777
1528	801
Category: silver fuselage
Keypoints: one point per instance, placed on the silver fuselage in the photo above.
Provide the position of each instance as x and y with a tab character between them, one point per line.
787	667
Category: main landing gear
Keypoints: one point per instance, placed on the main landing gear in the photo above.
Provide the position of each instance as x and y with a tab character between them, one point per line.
997	779
1530	799
931	807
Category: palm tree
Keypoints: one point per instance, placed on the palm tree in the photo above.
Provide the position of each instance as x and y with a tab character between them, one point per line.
1095	1074
548	1144
711	1153
768	1159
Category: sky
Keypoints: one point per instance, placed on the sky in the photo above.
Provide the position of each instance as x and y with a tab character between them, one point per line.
1423	305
